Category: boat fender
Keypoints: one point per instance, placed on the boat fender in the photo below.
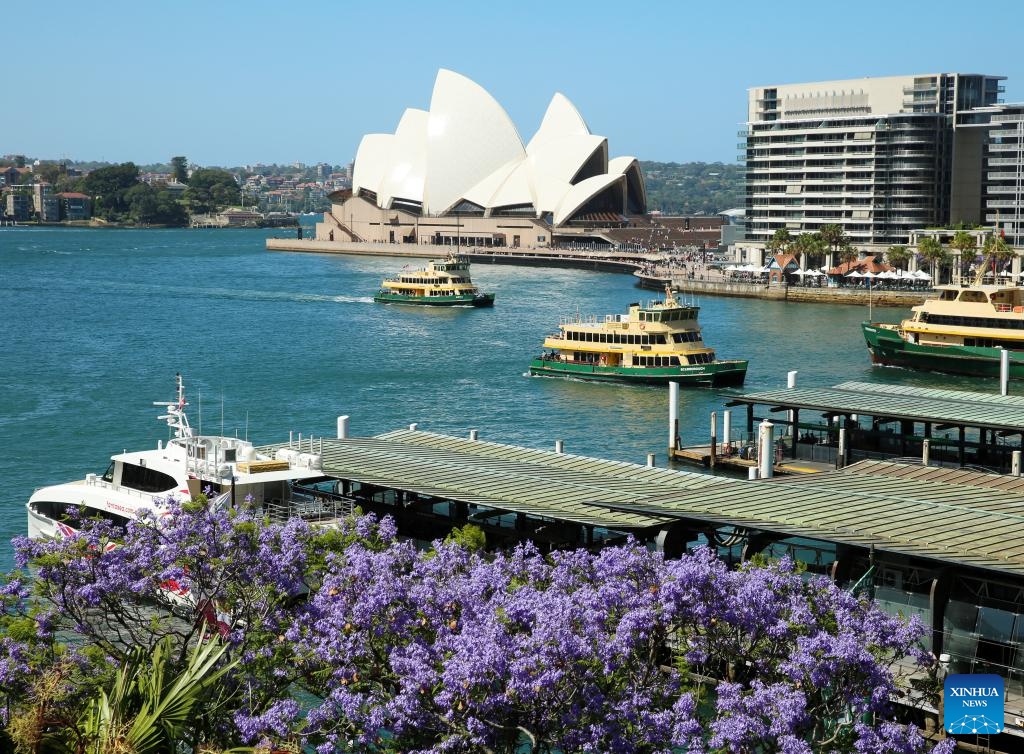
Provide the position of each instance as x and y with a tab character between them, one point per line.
643	327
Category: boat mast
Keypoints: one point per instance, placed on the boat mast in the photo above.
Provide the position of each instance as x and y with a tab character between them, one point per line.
175	415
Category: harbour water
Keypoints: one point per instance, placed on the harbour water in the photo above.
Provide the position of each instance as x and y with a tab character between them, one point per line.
97	322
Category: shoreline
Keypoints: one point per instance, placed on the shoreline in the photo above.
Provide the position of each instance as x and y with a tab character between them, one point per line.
628	263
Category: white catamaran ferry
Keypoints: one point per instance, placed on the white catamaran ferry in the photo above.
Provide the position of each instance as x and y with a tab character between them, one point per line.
186	465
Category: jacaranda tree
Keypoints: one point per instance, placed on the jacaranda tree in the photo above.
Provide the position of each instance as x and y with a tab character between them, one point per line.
391	648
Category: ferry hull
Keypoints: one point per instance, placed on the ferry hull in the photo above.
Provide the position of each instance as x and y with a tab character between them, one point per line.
889	349
715	374
484	299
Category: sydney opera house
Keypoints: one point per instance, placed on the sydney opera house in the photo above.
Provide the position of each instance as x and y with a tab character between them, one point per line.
459	173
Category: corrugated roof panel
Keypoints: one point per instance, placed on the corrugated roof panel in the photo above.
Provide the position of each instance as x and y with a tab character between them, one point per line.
960	516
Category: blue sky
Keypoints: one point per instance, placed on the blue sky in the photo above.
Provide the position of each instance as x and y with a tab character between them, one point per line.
233	83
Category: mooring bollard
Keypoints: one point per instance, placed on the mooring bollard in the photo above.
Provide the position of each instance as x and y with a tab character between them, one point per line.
1004	372
766	449
673	414
714	437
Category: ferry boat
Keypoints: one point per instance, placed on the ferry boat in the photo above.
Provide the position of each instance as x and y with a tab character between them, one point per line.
963	330
187	465
656	343
443	283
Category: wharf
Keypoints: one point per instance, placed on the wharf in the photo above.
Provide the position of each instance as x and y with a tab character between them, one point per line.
946	545
857	420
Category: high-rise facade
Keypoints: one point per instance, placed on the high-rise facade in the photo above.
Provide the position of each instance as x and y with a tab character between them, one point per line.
1000	129
877	156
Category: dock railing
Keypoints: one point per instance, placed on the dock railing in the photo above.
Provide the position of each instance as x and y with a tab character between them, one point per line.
320	508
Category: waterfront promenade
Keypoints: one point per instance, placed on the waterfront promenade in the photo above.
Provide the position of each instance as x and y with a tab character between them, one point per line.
648	268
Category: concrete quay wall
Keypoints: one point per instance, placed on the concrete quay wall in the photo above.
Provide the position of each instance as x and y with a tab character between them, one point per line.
796	293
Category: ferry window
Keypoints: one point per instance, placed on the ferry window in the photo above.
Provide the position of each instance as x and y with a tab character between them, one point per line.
146	480
108	475
974	296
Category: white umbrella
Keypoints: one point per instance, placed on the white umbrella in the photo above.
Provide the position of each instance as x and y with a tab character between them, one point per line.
887	275
922	275
853	274
869	274
731	268
801	273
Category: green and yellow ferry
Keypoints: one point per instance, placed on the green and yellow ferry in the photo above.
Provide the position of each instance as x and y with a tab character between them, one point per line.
963	330
656	343
442	283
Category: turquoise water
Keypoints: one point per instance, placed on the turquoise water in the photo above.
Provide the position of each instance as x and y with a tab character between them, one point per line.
97	322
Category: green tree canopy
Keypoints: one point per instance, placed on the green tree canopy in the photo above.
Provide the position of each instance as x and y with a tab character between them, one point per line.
933	253
108	187
898	256
780	241
210	189
179	169
808	247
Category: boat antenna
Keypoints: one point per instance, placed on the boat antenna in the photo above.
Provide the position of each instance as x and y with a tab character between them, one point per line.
247	426
175	410
200	411
222	412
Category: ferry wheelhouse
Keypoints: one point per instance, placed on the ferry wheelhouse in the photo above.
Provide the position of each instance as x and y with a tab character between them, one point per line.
963	330
442	283
654	343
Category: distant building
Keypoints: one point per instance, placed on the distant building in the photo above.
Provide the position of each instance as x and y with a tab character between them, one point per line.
18	206
879	157
75	206
45	203
14	176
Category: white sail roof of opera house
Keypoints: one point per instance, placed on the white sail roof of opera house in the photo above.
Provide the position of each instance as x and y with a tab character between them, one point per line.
465	154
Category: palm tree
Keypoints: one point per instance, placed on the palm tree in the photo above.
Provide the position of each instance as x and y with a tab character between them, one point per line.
780	241
934	253
963	242
898	256
149	711
809	247
998	251
848	253
153	705
834	238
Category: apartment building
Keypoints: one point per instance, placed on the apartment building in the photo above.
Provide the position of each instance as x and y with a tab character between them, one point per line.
877	156
999	130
